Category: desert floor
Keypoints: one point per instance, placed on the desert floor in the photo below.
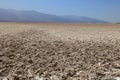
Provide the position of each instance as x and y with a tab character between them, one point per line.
59	51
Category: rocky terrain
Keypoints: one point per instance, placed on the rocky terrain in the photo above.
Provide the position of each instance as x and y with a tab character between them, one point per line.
37	55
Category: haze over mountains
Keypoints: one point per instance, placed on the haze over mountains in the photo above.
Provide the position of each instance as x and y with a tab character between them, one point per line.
11	15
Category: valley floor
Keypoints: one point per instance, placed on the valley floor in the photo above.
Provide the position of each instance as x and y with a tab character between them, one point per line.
56	51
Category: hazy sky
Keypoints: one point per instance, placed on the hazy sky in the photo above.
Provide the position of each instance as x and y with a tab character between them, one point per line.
108	10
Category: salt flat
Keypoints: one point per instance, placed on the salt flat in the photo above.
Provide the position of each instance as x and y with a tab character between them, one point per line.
67	31
59	51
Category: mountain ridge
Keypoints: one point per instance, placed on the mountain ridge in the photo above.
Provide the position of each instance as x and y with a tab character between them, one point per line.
12	15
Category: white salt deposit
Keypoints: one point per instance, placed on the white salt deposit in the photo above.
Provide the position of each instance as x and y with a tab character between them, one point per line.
117	78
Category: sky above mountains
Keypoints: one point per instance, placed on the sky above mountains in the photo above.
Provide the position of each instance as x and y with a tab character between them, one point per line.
108	10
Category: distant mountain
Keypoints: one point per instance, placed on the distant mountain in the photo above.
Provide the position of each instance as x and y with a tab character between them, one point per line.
34	16
84	19
118	23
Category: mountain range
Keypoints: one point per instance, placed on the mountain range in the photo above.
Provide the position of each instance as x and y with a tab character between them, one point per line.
12	15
